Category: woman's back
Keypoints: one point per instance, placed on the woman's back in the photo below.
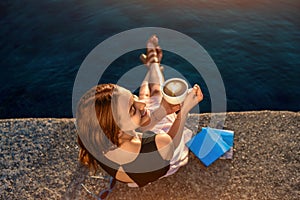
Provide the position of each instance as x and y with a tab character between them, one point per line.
142	162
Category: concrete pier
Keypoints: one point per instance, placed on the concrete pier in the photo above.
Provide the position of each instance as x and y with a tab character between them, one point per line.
38	160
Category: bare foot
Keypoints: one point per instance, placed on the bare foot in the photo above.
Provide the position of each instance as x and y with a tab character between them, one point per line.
154	52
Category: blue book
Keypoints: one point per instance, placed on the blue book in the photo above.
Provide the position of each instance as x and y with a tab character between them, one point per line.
210	144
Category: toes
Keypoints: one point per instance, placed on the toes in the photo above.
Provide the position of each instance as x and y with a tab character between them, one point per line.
154	52
154	40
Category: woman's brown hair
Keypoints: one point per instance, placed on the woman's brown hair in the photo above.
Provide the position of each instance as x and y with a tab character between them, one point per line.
96	101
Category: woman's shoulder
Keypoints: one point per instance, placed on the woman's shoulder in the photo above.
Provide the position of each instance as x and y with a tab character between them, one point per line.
162	139
164	145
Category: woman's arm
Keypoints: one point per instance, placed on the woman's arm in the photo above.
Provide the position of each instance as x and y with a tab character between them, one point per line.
192	99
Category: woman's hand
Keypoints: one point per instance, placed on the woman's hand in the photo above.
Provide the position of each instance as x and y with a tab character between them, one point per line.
192	99
169	108
157	115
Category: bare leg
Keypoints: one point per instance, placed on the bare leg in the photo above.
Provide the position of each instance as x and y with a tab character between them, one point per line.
154	78
144	89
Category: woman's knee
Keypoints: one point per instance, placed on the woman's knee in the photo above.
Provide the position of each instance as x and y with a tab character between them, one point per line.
144	95
155	92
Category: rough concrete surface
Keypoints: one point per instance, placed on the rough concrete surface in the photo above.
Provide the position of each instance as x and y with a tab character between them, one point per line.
38	160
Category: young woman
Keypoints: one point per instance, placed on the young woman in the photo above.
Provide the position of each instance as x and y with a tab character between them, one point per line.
137	140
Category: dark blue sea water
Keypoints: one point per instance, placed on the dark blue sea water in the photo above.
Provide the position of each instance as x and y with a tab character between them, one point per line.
255	45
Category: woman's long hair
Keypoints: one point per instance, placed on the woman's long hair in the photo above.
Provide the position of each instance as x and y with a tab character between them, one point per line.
95	124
